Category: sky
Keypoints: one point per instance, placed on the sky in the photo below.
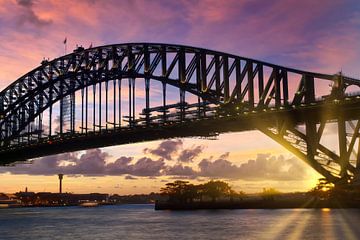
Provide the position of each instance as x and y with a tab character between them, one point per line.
321	36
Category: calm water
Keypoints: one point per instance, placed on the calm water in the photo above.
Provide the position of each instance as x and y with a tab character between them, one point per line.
142	222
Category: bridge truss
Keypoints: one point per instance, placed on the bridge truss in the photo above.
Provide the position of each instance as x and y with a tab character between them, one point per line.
134	92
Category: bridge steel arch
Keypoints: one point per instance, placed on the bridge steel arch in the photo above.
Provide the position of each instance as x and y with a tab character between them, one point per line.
90	98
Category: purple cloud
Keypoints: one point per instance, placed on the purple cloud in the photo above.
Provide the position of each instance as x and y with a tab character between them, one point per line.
166	149
94	163
264	167
188	155
28	15
180	170
91	163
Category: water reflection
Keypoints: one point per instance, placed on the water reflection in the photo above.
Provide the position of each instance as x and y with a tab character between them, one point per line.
142	222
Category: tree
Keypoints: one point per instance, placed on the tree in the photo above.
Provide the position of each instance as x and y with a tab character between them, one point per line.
323	189
269	193
239	195
190	192
182	191
216	189
177	191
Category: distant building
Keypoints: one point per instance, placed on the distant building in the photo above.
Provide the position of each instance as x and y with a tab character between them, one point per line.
56	199
26	198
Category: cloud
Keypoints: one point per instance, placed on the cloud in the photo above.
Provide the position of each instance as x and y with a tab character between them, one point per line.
91	163
25	3
45	166
180	170
147	167
264	167
28	15
166	149
188	155
94	163
142	167
120	166
318	36
173	149
129	177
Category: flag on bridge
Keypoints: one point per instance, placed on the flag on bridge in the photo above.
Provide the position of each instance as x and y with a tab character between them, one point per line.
65	40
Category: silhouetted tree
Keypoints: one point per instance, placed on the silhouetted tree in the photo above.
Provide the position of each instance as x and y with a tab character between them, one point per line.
200	191
190	192
216	189
177	191
323	189
269	193
182	191
236	195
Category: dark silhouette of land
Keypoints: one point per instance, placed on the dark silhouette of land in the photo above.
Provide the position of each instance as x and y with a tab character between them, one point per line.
48	199
219	195
181	195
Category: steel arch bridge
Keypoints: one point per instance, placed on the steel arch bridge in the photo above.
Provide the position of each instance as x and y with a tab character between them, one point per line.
133	92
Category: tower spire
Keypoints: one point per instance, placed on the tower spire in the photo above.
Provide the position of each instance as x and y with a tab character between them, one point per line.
60	182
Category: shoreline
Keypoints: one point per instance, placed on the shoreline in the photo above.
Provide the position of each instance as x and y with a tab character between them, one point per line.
243	204
71	205
260	204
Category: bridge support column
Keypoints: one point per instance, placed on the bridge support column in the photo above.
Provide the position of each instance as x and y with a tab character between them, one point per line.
106	104
277	87
217	77
61	122
309	89
164	100
203	72
285	87
86	108
238	79
250	79
226	79
119	96
147	100
261	80
131	101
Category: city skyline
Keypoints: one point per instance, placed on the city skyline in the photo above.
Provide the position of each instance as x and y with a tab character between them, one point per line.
314	37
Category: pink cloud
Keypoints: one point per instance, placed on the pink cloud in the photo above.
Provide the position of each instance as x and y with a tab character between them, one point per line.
304	34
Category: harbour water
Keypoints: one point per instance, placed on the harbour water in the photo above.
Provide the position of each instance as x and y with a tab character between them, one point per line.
142	222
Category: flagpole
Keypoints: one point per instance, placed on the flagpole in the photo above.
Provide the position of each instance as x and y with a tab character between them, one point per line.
65	44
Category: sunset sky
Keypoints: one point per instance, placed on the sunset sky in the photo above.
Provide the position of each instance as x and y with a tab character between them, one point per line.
321	36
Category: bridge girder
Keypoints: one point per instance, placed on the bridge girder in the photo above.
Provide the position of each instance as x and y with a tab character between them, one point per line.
219	84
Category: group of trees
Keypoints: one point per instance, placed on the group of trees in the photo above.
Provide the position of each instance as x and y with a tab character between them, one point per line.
326	190
183	191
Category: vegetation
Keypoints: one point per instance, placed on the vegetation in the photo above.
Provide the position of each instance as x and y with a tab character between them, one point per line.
182	191
269	193
323	189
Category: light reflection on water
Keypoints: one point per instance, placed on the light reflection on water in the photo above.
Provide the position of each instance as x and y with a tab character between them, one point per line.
142	222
